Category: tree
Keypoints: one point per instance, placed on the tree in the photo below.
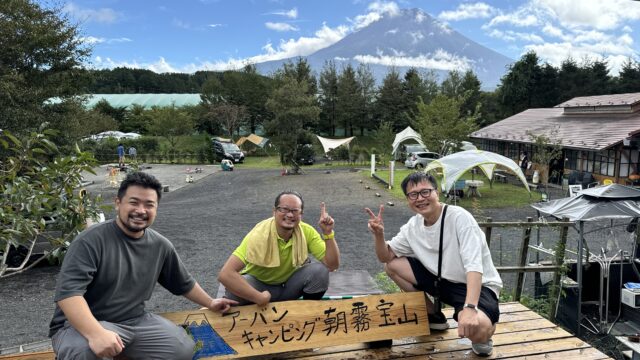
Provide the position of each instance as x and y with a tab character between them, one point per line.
328	98
390	106
292	107
629	77
518	88
384	141
413	91
548	148
440	123
230	116
471	91
36	181
41	58
452	85
365	97
347	100
170	123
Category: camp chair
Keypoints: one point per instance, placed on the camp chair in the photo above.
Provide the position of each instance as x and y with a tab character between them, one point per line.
457	191
607	182
588	181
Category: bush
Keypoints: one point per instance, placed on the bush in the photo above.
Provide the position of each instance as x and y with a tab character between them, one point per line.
38	183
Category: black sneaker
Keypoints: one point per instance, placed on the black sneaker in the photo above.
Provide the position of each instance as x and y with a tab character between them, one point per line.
483	349
438	321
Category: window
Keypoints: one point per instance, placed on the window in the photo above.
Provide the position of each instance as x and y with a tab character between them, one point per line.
572	159
629	162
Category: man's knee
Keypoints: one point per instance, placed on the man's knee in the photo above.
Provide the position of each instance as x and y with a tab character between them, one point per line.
319	274
392	268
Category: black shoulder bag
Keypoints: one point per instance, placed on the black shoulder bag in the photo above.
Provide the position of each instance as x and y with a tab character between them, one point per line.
436	297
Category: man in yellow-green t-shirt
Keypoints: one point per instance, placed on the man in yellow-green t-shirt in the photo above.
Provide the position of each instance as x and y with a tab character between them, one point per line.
272	263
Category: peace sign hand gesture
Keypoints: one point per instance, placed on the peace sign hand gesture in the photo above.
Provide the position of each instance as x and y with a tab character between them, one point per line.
376	225
326	222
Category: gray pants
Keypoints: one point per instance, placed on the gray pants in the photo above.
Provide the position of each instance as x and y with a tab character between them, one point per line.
311	278
149	336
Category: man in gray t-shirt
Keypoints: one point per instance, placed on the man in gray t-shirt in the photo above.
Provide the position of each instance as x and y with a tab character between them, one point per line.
108	273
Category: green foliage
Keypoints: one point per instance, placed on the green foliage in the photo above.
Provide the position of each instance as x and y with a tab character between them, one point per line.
171	123
548	148
385	136
37	182
41	58
385	283
440	122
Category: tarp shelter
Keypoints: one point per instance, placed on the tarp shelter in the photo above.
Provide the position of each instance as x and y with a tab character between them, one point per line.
330	144
603	202
114	134
455	165
406	134
258	141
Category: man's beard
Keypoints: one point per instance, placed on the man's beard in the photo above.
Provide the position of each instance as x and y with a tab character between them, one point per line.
130	228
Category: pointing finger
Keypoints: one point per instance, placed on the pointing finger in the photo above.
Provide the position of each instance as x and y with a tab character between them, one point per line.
371	214
380	211
323	210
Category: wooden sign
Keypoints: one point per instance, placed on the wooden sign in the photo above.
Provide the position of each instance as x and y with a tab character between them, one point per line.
303	324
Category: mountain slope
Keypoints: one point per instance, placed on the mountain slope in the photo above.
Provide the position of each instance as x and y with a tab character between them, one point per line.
410	39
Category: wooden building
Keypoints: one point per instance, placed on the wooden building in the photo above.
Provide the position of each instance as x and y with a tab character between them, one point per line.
598	134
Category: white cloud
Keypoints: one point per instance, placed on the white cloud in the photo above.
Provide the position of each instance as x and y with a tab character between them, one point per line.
551	30
160	66
280	26
376	10
215	25
441	60
518	18
627	29
103	15
92	40
392	31
468	11
601	15
291	14
510	35
181	24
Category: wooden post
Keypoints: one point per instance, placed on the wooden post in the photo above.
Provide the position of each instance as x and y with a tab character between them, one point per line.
487	232
524	250
558	260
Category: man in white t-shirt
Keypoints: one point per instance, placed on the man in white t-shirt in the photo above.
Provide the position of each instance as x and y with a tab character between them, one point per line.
469	280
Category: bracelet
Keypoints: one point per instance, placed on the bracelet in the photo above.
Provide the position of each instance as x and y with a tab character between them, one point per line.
329	236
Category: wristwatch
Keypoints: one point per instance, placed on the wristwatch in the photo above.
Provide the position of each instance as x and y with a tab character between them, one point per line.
470	306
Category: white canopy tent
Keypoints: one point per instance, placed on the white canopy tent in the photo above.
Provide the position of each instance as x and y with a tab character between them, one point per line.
456	164
329	144
406	134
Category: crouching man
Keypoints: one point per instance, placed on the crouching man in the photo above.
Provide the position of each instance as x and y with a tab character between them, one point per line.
443	252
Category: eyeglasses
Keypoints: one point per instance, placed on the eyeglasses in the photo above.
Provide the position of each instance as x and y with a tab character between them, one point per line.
424	192
285	210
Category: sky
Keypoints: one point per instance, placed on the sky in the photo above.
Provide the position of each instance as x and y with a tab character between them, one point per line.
191	35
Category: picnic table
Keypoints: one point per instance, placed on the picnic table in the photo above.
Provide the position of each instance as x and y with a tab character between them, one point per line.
473	187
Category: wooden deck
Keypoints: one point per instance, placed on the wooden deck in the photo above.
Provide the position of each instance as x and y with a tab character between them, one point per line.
521	333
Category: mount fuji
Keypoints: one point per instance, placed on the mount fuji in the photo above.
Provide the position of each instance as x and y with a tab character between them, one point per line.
410	38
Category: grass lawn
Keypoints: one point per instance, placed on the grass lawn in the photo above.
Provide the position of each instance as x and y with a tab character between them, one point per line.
499	196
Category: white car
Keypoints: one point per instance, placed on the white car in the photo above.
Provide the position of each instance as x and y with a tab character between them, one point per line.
420	159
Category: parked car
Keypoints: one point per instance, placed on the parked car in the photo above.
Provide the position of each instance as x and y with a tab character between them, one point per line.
411	148
420	159
225	149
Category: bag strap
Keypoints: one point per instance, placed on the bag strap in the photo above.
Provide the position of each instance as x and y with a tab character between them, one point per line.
439	278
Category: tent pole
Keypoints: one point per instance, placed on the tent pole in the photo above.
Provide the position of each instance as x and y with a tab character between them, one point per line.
579	276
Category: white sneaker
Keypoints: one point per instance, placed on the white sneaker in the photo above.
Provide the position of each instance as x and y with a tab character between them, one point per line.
483	349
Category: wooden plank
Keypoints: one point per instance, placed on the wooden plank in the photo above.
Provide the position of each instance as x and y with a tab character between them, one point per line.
41	355
520	269
295	325
516	344
524	251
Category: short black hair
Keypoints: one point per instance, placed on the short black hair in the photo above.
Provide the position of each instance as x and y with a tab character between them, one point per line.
142	179
416	178
289	192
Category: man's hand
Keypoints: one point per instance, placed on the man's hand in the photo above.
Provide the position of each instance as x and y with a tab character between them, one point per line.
326	221
376	225
264	298
106	344
221	305
468	323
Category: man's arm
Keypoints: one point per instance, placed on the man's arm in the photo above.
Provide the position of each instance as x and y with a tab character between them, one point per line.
376	227
230	277
468	318
332	253
103	342
200	297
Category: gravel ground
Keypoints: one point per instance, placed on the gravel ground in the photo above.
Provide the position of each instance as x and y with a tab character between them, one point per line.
207	219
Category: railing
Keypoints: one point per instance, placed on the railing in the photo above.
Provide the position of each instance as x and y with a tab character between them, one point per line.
521	267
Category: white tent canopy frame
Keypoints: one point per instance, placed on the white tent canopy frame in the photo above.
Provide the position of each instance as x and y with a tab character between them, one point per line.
407	134
330	144
455	165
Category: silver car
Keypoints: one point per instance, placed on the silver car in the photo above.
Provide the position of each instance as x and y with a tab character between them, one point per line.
420	159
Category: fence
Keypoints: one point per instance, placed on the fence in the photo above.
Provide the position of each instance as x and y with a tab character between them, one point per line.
556	265
159	158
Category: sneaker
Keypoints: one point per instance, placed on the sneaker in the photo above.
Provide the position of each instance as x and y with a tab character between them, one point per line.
483	349
438	321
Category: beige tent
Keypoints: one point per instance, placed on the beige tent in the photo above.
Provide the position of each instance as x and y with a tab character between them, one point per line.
330	144
254	139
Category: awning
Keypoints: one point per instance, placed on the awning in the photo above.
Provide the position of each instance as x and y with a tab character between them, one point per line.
329	144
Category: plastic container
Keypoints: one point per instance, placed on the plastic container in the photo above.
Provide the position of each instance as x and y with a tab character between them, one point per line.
536	177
